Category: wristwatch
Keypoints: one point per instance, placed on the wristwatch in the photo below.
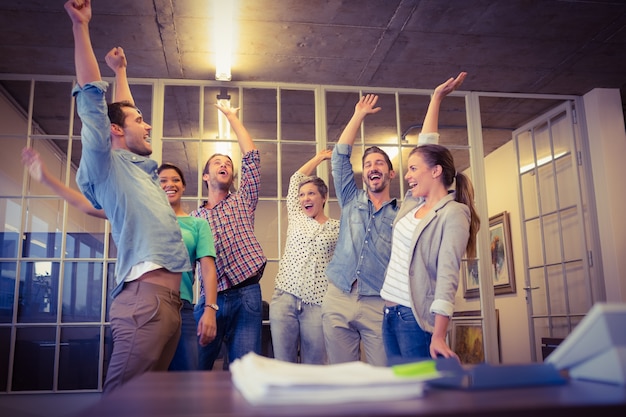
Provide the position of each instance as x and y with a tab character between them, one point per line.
213	306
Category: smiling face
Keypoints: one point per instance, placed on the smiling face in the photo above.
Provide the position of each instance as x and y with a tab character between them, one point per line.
218	172
136	132
311	200
420	176
172	184
376	172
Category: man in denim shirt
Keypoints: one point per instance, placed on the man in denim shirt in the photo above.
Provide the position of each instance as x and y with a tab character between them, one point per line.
352	310
115	174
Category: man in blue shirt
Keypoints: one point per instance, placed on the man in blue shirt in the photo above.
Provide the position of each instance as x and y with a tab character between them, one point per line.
115	174
352	310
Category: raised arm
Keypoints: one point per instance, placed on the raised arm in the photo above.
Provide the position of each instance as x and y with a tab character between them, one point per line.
116	60
309	166
364	107
243	137
38	171
431	121
87	69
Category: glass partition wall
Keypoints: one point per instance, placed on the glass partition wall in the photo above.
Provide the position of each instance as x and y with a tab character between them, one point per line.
57	263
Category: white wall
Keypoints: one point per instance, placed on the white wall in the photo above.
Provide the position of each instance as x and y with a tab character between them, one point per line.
607	142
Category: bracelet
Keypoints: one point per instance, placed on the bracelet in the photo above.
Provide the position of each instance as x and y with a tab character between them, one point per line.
213	306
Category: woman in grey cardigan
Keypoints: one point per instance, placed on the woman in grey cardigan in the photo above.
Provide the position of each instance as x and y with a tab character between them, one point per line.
435	226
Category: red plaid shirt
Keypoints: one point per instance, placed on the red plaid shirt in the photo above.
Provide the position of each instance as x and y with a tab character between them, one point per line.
238	252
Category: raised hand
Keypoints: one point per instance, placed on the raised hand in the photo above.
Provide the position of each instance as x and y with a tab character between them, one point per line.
450	85
116	59
366	104
79	10
226	109
32	160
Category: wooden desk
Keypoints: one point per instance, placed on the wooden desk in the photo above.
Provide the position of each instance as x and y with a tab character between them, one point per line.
183	394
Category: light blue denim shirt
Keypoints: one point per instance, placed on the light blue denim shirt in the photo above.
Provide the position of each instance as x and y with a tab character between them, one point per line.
126	186
364	243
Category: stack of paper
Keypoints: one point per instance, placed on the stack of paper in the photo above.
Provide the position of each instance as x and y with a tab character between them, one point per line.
263	380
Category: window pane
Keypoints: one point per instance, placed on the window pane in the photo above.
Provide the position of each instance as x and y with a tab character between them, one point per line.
339	110
8	274
39	288
84	245
412	111
293	156
5	349
184	154
82	292
297	112
33	365
10	220
266	227
50	114
181	100
42	238
269	164
11	168
79	358
258	112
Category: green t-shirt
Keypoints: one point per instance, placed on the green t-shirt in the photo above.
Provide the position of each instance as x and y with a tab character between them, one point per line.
199	241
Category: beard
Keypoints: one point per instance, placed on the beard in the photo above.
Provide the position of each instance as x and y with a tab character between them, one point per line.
382	184
221	185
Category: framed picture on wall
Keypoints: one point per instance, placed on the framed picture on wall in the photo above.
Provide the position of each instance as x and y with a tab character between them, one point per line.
501	268
466	336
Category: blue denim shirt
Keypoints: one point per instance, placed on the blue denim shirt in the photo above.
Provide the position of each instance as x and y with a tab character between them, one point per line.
364	245
126	186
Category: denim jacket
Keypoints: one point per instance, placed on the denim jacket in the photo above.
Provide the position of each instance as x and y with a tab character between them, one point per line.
364	243
126	186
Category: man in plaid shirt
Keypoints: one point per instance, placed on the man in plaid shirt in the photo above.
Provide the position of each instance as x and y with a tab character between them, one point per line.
239	257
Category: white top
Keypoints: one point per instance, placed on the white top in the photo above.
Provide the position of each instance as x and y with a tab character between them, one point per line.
396	285
310	246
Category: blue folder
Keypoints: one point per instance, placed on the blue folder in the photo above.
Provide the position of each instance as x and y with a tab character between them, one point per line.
485	376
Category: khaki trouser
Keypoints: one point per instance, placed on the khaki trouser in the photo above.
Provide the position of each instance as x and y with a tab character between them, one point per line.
350	320
145	323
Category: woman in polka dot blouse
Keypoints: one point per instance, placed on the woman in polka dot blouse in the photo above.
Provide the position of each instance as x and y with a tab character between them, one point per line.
296	307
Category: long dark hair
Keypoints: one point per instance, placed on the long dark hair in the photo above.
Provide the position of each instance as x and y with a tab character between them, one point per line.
440	155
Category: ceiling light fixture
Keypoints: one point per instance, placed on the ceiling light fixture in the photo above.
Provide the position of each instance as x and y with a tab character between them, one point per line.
223	37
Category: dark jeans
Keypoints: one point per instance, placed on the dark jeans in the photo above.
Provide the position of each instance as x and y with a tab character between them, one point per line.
404	339
239	322
186	356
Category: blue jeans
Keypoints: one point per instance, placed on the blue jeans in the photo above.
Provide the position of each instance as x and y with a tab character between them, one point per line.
186	356
296	326
404	339
239	322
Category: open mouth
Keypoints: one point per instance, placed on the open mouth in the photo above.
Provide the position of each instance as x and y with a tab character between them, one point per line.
222	172
375	175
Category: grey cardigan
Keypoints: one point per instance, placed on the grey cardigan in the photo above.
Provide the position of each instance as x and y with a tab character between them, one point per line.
438	242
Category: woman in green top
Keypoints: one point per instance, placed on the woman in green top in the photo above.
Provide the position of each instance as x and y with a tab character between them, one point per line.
199	241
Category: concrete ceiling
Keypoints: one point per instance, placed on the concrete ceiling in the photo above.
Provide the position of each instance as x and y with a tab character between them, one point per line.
515	46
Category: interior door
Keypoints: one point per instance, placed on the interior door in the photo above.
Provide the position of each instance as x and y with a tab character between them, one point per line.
556	257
